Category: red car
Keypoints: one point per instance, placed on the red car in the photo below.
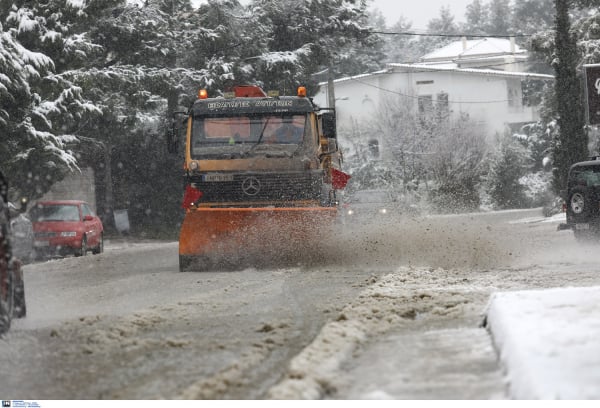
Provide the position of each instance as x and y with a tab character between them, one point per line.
66	227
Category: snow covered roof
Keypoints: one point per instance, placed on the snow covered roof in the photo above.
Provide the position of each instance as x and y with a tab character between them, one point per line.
466	49
450	57
361	76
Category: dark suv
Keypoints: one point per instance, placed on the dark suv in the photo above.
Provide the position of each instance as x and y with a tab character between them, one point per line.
582	200
12	288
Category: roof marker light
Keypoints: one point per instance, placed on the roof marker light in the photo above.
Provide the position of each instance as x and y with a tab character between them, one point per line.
302	91
202	94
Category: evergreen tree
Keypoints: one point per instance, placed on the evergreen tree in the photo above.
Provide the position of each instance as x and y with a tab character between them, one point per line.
399	48
307	36
532	16
570	144
40	109
219	46
588	34
500	17
443	24
507	165
476	17
586	3
136	81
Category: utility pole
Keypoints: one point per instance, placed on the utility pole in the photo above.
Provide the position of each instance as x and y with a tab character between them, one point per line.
330	87
108	185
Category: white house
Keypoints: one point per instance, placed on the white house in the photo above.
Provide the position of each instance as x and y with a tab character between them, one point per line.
483	78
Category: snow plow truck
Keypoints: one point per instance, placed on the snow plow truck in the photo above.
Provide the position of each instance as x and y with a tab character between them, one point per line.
261	174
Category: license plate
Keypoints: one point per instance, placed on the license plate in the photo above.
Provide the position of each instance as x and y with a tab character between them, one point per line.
582	226
41	243
217	177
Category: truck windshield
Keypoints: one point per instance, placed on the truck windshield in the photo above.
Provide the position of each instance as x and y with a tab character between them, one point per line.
231	133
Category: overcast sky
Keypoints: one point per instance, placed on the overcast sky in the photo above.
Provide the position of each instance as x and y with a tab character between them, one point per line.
419	11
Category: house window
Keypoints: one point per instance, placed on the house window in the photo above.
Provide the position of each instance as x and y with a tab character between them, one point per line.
425	107
374	148
443	110
425	104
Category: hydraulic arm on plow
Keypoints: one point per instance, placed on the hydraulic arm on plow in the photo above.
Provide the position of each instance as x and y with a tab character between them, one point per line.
261	174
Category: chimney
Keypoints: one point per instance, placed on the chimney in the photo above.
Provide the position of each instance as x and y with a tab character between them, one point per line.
512	45
464	43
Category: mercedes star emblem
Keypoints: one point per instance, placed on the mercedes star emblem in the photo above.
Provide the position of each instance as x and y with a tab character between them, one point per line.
251	186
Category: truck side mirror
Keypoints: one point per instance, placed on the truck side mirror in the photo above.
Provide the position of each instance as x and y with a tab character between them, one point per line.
329	125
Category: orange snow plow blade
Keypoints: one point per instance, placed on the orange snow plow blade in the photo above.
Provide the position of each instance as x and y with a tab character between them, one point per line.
230	238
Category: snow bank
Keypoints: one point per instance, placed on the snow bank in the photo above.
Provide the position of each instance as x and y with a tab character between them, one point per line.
549	342
386	303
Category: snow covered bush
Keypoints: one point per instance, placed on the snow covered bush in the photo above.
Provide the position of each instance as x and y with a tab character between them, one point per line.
428	154
508	164
455	165
537	188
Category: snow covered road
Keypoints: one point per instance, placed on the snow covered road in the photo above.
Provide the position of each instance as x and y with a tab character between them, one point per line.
397	313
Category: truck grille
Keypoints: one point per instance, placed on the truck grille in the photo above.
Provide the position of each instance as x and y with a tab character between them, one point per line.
254	187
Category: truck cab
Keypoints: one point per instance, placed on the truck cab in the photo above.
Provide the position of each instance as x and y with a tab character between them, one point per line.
257	167
251	149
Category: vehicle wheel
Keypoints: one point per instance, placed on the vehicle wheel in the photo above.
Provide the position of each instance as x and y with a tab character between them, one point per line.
580	203
100	248
83	250
197	263
20	309
6	301
185	263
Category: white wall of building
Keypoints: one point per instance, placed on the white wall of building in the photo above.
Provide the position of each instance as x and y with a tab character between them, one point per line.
494	100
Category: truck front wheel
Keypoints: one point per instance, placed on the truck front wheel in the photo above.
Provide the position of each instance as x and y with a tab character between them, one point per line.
185	263
84	248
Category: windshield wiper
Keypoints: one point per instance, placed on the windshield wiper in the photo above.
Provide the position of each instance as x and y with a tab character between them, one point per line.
262	133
